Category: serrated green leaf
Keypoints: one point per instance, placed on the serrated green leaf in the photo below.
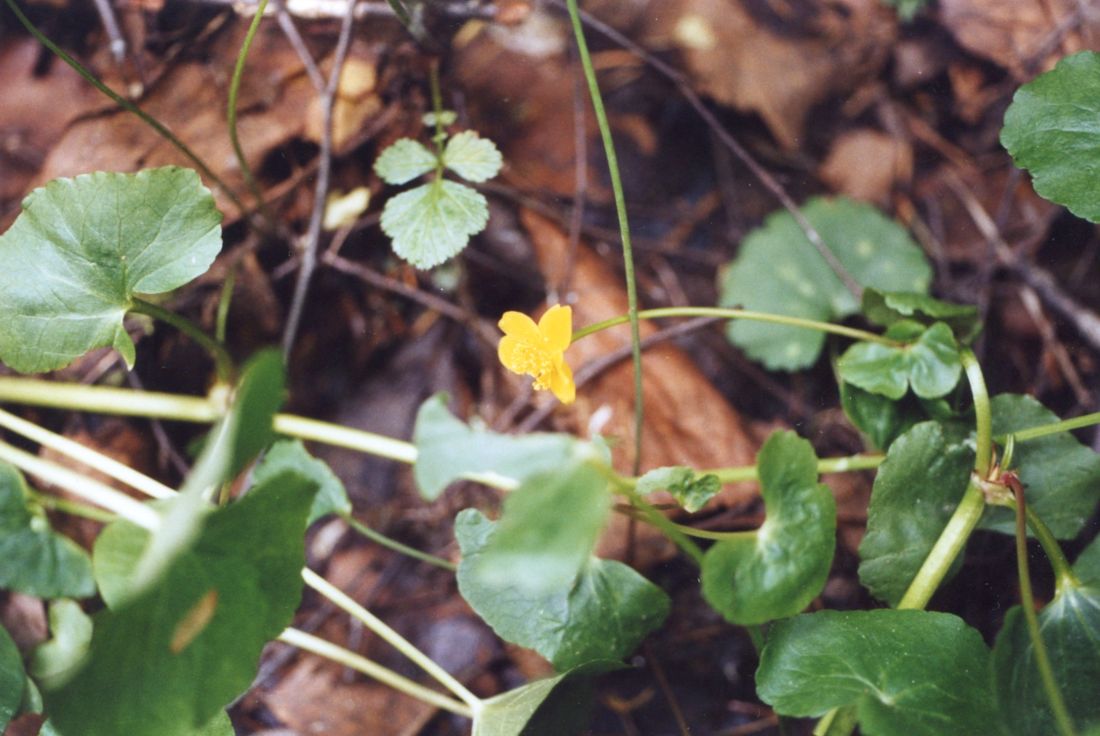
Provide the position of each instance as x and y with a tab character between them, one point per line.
164	663
1061	476
331	496
434	222
57	659
547	530
549	707
13	680
916	490
37	560
930	364
778	270
909	673
472	157
777	570
692	491
1052	129
887	307
82	248
404	160
1070	627
448	449
602	615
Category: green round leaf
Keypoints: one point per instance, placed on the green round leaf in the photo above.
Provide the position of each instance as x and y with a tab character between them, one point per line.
13	680
916	490
930	364
37	560
777	570
909	673
434	222
1052	129
1070	627
403	161
778	270
473	158
601	615
82	248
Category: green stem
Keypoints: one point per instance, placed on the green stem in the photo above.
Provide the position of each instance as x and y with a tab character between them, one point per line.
826	465
718	536
128	106
316	645
396	546
1064	577
398	642
667	526
624	226
437	108
223	363
65	506
1027	603
1086	420
224	300
724	313
983	414
231	109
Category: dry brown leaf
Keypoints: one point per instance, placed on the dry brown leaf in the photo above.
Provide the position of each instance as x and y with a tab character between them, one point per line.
1024	36
769	63
867	164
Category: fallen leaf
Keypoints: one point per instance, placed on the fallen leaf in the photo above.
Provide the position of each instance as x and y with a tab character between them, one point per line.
867	164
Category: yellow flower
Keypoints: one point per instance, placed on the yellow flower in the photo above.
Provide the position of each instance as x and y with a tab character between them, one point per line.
539	350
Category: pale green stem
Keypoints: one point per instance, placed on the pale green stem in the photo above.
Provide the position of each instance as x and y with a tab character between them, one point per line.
90	490
1063	572
65	506
826	465
320	647
1065	425
339	436
394	639
231	107
665	525
729	313
624	226
87	456
396	546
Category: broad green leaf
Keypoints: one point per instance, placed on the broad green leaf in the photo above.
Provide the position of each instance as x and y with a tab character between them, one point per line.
916	490
36	559
778	270
448	449
219	725
331	497
930	364
434	222
883	420
1061	476
547	530
1087	565
165	662
777	570
403	161
57	659
692	491
602	615
473	158
82	248
909	673
1070	627
1052	129
13	680
553	706
887	307
245	430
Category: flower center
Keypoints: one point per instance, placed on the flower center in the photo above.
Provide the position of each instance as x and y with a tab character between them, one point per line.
534	361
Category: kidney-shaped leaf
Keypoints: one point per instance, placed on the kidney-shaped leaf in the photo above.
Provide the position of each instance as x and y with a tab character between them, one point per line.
778	270
916	490
909	673
36	559
165	662
778	569
83	247
602	615
1061	476
1052	129
929	363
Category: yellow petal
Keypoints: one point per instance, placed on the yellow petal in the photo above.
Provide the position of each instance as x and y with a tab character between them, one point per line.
521	327
556	326
561	383
508	349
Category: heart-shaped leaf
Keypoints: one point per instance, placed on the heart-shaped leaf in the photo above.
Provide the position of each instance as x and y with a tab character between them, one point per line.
778	270
908	673
37	560
929	363
778	569
1052	129
602	615
81	250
